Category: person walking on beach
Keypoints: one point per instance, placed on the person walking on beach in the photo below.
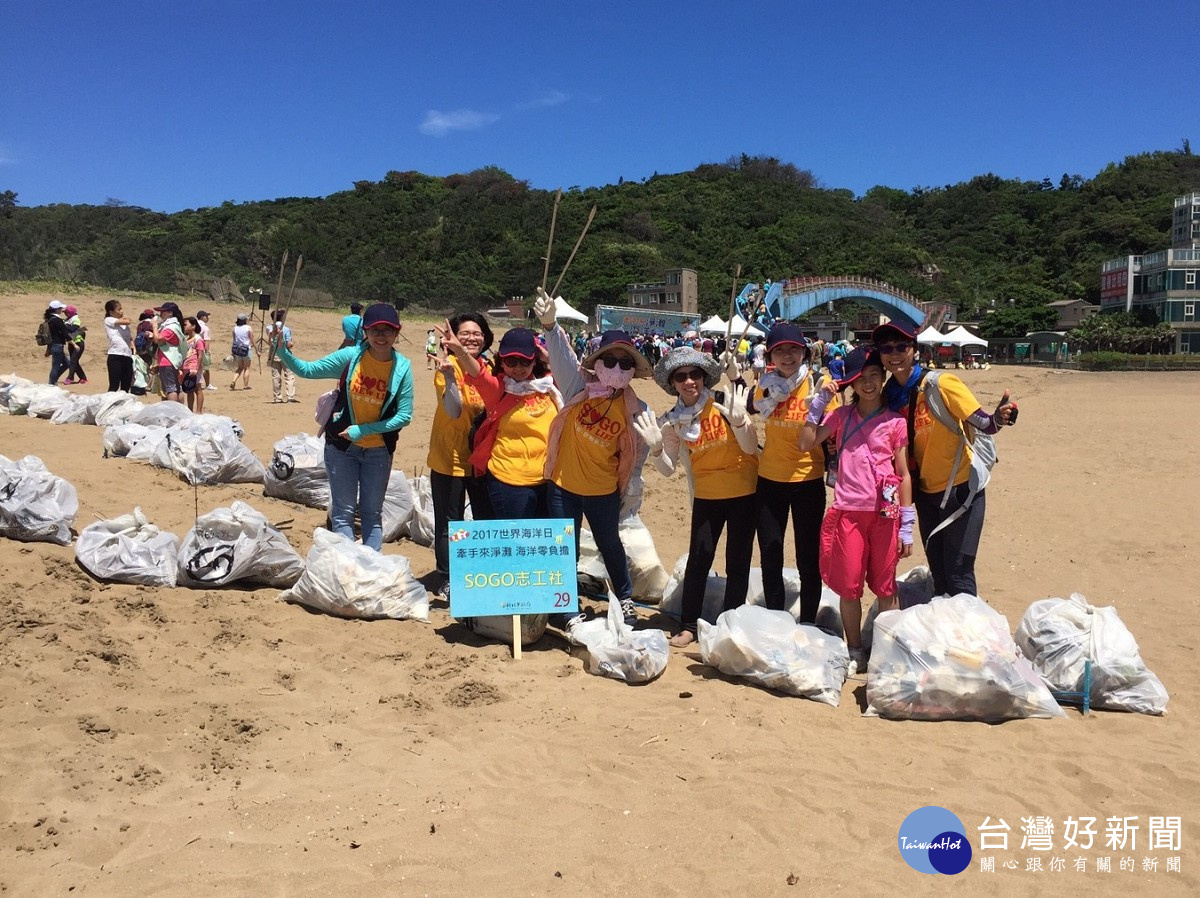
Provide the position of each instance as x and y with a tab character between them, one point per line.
950	514
283	381
243	340
55	317
869	527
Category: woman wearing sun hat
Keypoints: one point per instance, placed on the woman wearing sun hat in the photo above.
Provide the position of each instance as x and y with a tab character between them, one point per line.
718	448
521	400
790	482
594	459
374	402
951	520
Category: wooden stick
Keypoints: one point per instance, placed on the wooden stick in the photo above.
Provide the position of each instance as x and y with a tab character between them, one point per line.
295	277
516	621
263	322
732	300
571	258
550	242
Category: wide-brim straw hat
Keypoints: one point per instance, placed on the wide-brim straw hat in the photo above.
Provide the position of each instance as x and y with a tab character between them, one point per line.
686	357
622	344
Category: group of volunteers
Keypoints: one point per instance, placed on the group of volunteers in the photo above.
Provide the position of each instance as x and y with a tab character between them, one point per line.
535	428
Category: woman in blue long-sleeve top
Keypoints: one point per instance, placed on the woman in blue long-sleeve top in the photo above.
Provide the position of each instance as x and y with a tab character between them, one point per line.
374	401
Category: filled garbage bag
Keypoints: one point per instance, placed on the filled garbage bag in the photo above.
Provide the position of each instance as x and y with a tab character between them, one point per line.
297	471
614	649
119	439
1059	636
203	452
420	524
952	659
650	578
128	549
347	579
714	592
237	544
768	648
35	505
397	507
116	408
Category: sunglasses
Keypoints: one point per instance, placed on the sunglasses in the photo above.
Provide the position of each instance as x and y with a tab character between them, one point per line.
680	376
889	348
624	362
515	361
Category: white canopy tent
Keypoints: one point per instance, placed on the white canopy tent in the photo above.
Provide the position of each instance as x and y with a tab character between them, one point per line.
565	313
960	336
739	326
931	335
713	325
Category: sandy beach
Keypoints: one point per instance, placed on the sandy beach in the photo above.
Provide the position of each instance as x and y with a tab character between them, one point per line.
175	742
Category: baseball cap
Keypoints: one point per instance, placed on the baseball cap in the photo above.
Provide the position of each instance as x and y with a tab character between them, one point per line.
202	314
782	334
518	341
168	307
381	313
889	327
856	361
56	305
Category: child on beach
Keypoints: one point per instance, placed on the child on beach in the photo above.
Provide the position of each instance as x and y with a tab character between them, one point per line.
869	528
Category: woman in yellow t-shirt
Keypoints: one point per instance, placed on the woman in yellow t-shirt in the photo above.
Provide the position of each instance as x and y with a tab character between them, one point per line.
719	451
594	460
951	521
374	401
790	482
451	477
521	401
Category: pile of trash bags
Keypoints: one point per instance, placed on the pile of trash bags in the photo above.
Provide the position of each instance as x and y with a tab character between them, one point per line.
201	449
1059	636
952	659
297	471
35	505
408	509
650	578
769	649
348	579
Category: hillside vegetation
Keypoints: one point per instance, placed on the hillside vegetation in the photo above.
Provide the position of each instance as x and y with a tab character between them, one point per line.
476	239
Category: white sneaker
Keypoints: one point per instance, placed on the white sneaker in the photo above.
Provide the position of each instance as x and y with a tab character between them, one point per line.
211	387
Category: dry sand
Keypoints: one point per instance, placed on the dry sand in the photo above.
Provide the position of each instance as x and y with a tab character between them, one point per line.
180	742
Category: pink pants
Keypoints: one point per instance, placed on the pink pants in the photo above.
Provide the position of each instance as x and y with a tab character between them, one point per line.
858	545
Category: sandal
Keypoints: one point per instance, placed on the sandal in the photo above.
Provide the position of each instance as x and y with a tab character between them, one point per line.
682	639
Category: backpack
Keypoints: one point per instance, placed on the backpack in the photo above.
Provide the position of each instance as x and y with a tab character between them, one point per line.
43	333
983	446
142	342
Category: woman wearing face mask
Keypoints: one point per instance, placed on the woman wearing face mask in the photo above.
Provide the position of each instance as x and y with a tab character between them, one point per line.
521	401
719	450
594	460
451	478
790	482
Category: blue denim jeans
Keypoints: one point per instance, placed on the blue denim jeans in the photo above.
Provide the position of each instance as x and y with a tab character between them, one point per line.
59	362
358	479
514	502
603	517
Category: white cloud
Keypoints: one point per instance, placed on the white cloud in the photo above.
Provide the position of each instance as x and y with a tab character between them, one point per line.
551	98
439	124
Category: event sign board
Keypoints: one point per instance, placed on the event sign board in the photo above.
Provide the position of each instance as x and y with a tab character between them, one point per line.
522	566
635	320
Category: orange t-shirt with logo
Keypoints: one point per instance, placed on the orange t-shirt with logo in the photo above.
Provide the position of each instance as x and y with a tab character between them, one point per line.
448	449
781	459
368	389
522	433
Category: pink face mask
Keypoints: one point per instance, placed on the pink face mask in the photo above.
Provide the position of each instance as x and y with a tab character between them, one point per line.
613	378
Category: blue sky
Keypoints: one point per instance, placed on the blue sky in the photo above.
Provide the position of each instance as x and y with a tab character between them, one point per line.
177	104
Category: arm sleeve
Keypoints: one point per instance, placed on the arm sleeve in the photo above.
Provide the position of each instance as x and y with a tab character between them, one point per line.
451	397
568	373
331	366
963	405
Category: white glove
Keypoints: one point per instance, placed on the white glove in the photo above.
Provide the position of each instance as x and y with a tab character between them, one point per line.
630	503
645	425
729	362
545	309
736	410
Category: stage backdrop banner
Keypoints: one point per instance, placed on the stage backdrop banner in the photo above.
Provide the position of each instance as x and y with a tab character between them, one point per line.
643	321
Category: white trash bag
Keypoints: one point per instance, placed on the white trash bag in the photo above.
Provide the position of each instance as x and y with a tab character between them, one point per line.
952	659
650	578
119	439
203	452
234	544
344	578
1059	635
297	471
614	649
35	505
116	408
128	549
420	525
499	627
77	410
47	400
714	592
7	383
769	649
162	414
397	507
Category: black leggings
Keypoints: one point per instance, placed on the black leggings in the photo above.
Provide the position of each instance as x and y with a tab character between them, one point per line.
805	501
75	353
120	373
709	517
951	552
449	494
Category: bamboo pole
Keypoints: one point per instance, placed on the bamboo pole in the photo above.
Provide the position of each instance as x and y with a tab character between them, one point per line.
571	258
550	242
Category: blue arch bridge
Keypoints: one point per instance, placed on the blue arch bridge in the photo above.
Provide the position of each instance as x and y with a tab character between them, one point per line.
793	297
